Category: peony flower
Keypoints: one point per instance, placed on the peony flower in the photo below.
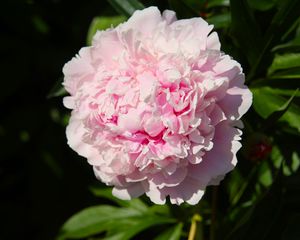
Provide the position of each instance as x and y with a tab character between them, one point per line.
156	107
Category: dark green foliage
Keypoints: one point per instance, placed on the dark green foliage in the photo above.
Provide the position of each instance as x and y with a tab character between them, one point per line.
44	183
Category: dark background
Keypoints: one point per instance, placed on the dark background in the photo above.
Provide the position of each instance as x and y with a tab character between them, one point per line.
42	181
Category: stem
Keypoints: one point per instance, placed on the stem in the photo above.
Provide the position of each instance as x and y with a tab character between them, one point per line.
193	229
213	212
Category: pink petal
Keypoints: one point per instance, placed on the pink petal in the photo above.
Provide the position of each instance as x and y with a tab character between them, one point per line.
132	191
144	21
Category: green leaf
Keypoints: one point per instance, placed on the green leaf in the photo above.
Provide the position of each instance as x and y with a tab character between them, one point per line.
276	157
94	220
291	45
40	24
265	176
195	4
245	30
235	182
287	14
243	186
102	23
182	9
276	115
293	166
160	209
127	228
220	21
107	193
126	7
265	103
57	90
286	61
172	233
262	5
295	162
287	74
258	220
218	3
284	92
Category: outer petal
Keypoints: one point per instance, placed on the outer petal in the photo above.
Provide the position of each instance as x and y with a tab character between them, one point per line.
108	43
170	180
213	41
238	99
222	158
155	194
132	191
77	70
169	16
145	21
190	191
75	134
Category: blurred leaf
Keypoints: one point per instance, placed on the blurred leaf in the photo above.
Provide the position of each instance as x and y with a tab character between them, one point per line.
127	228
217	3
243	220
53	164
243	186
284	92
287	74
102	23
287	14
182	9
291	45
40	25
126	7
57	90
245	30
291	30
276	115
295	162
289	169
265	176
276	157
235	181
290	166
160	209
257	221
118	223
286	61
220	21
262	5
265	103
195	5
107	193
94	220
172	233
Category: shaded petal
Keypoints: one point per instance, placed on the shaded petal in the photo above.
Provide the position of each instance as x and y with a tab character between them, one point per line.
175	179
238	99
213	41
169	16
190	191
222	158
155	194
77	69
132	191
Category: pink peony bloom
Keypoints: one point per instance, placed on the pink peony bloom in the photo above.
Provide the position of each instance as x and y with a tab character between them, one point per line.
156	107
